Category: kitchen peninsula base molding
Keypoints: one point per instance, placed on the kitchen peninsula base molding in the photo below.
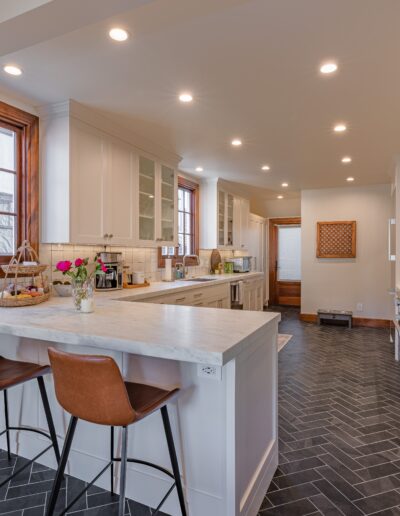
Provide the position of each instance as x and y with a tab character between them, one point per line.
357	321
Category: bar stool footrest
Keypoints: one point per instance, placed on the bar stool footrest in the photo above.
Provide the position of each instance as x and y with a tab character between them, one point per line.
118	459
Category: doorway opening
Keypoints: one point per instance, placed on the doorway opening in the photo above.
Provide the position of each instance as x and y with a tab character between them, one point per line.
285	261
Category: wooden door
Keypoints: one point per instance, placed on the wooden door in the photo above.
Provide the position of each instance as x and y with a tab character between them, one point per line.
281	291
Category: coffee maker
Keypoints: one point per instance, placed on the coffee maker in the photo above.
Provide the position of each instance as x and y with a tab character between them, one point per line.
112	278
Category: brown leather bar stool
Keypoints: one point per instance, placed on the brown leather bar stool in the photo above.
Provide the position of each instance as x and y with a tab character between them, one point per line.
13	373
91	387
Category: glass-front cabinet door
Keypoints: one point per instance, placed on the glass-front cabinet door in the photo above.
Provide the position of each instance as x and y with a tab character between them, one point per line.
167	203
147	201
229	220
157	204
221	218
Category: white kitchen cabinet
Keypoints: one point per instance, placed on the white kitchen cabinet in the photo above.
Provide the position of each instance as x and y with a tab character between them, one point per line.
157	201
241	227
253	298
98	189
102	188
224	218
212	296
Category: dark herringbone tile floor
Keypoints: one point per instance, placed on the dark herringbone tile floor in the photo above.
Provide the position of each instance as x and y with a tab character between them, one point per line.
27	494
339	436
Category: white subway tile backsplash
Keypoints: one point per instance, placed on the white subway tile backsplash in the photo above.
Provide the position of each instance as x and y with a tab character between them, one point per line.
137	259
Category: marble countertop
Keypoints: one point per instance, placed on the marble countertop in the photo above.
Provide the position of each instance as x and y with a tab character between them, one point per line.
191	334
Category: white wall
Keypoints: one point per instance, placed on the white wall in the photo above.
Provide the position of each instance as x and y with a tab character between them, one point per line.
341	284
17	101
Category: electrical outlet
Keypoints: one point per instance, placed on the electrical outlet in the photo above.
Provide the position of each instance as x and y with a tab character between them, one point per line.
209	371
360	307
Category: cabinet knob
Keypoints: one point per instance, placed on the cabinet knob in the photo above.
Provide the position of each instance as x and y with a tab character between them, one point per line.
105	235
110	236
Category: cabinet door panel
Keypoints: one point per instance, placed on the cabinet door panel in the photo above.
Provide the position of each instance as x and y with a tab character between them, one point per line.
147	213
168	204
119	191
221	218
87	186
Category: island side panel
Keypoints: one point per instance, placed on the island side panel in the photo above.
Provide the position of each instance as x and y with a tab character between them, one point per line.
256	421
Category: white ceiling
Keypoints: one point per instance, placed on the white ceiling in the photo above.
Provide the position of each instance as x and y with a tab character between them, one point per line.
252	66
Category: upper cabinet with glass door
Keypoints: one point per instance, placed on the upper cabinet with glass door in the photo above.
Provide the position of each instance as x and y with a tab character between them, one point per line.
168	204
147	201
157	203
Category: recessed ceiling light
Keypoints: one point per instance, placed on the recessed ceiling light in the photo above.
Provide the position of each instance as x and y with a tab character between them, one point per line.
118	34
279	197
328	68
340	128
346	159
236	142
285	185
350	179
265	167
151	196
185	97
12	70
199	169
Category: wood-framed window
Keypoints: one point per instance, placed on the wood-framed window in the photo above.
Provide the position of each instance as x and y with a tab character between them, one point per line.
19	180
188	224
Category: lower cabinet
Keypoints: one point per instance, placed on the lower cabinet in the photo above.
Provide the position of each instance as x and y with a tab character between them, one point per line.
253	294
217	296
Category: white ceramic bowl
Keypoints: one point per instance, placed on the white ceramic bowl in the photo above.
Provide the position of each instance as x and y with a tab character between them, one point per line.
63	290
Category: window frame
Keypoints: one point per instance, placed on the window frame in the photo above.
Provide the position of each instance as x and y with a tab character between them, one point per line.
27	127
194	188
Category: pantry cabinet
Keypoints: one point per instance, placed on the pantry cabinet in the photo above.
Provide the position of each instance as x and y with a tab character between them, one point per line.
99	189
224	218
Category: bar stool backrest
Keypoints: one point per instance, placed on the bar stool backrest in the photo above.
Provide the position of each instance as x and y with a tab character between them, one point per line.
91	387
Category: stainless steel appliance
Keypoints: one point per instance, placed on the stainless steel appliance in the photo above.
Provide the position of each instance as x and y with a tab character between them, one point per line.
237	295
112	279
242	264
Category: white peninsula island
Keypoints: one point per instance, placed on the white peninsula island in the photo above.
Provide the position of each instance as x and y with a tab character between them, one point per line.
224	422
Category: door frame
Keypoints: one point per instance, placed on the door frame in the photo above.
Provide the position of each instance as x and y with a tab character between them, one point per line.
273	251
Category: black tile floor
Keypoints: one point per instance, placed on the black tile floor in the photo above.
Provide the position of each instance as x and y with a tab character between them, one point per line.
27	494
339	407
339	415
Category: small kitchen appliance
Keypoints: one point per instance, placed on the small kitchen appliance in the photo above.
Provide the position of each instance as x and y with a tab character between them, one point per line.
112	279
242	264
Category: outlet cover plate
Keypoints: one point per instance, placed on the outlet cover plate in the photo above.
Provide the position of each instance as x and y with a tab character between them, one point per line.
209	371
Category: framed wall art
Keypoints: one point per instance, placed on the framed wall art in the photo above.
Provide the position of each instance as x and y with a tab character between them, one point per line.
336	239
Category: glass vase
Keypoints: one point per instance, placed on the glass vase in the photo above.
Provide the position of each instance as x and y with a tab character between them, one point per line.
83	295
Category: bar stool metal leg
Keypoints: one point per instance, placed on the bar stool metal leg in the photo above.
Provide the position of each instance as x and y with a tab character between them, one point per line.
49	418
112	460
124	461
7	423
61	467
173	457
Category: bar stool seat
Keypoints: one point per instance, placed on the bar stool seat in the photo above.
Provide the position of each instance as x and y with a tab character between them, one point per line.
145	399
91	387
13	372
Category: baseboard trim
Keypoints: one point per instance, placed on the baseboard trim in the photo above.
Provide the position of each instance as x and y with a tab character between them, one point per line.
357	321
